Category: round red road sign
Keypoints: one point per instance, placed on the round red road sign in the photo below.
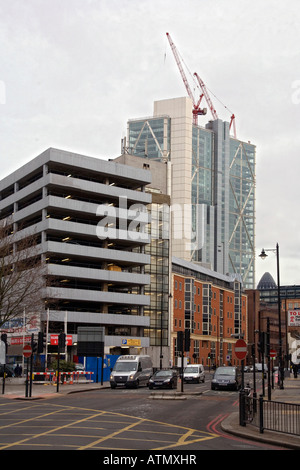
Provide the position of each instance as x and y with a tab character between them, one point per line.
240	349
273	353
27	351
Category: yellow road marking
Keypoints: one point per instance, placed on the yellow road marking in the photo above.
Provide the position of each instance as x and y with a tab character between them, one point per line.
46	432
191	436
29	419
177	444
112	435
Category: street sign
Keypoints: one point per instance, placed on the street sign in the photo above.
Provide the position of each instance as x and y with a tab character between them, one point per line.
27	351
240	349
54	340
131	342
273	353
293	317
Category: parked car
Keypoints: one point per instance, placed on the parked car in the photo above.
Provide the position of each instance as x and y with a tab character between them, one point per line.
164	378
194	373
8	370
229	378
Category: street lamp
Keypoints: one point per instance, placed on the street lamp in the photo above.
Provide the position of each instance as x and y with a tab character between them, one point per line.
263	255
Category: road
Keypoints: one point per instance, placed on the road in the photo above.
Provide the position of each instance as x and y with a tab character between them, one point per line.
122	420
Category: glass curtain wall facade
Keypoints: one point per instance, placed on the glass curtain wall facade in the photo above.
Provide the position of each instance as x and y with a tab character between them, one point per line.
242	211
158	289
203	193
150	138
222	190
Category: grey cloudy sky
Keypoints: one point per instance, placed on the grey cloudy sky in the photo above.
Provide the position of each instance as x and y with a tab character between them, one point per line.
74	71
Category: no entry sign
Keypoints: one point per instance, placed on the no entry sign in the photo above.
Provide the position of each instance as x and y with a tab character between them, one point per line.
273	353
27	351
240	349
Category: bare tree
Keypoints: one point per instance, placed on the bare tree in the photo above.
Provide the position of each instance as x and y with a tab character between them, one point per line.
22	273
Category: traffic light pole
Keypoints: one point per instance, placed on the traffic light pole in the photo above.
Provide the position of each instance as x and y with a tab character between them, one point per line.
4	340
26	383
268	357
31	365
57	378
182	359
61	345
3	383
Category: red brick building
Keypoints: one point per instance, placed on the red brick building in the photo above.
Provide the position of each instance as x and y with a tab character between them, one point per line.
213	308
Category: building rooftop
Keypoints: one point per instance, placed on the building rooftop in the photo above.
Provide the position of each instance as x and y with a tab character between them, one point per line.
267	282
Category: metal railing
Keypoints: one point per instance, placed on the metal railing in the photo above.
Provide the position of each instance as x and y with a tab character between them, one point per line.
271	415
281	417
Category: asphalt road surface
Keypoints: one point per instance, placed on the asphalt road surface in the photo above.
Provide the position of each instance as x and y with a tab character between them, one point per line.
116	421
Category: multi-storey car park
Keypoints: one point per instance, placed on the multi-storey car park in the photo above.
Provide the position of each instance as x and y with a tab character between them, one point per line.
66	199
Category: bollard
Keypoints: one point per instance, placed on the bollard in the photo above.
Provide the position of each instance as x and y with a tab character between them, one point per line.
242	408
261	414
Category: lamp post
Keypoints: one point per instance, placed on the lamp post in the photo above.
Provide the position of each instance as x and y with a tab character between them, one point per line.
161	333
263	255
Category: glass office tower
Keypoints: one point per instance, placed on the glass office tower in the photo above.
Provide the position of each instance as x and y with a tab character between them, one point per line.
213	174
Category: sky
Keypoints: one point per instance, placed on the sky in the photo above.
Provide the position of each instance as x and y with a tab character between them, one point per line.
74	71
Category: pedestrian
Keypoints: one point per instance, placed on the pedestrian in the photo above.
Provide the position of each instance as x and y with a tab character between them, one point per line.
295	370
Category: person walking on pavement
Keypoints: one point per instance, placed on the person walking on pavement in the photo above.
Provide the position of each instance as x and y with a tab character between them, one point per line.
295	370
18	370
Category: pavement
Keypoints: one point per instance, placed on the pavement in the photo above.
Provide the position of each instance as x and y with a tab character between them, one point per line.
290	394
15	389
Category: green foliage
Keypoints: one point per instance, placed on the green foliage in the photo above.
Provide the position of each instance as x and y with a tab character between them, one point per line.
64	366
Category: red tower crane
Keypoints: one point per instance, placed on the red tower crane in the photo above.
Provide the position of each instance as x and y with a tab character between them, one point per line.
196	106
211	106
207	97
232	121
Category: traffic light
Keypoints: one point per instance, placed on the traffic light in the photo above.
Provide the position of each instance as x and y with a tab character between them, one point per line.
267	344
261	342
61	341
41	342
180	341
187	340
34	346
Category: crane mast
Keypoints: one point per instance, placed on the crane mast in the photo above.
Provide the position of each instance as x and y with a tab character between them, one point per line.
207	97
196	106
232	122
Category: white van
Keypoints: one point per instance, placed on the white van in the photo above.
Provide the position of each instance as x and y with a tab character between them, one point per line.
258	368
194	373
131	371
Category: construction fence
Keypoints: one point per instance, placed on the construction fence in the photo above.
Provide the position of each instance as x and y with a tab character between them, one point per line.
63	377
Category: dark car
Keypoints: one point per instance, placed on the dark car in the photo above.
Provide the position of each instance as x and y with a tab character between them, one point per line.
164	378
8	370
229	378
